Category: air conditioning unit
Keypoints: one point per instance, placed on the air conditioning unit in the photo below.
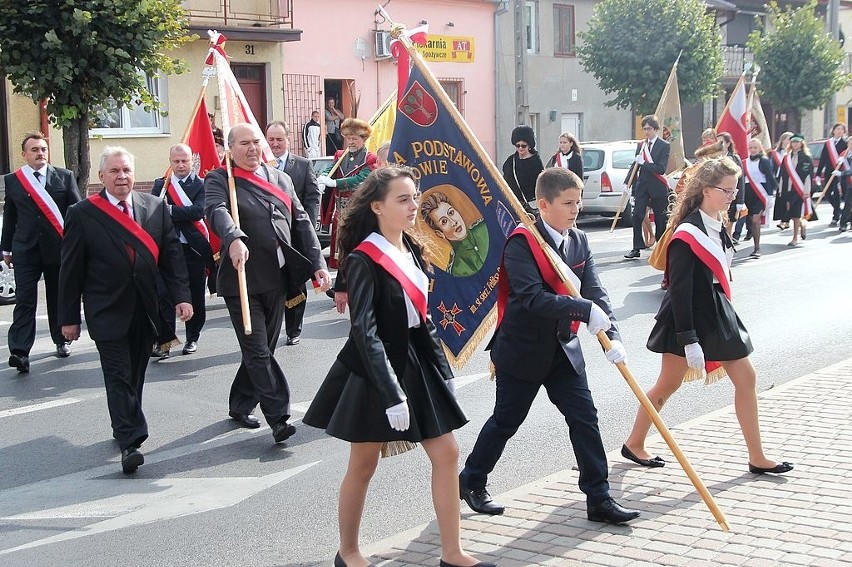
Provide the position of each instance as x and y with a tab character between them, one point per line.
383	41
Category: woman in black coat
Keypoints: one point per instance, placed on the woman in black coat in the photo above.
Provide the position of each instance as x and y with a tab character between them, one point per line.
798	159
521	169
738	204
697	329
391	383
569	156
758	169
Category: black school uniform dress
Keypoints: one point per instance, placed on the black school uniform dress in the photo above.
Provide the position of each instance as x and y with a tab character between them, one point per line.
695	307
392	354
759	169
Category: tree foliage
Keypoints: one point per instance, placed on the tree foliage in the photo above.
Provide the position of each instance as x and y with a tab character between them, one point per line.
800	63
630	47
81	54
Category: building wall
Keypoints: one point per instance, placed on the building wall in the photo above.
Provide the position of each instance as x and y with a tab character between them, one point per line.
328	50
551	81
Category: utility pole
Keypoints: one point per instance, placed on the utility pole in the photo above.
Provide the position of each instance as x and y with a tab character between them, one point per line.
522	105
833	17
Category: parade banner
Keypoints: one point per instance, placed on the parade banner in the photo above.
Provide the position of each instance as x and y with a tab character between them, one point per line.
465	215
734	118
668	111
757	121
199	137
382	122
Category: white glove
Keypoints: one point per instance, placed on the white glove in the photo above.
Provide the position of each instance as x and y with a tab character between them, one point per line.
694	355
640	158
625	190
818	179
398	416
451	386
617	353
740	208
326	181
598	320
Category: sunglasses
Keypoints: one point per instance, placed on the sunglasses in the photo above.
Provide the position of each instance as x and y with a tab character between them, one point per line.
522	145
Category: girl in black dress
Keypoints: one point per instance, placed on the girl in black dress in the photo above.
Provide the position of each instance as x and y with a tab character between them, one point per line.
796	173
738	204
391	382
696	322
759	171
569	156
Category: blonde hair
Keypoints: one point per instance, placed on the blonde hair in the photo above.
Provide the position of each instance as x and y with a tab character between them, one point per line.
708	173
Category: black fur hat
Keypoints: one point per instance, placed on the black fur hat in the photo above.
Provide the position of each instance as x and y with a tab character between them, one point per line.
524	134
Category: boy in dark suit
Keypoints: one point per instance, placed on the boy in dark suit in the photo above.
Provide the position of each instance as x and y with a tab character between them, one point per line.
536	345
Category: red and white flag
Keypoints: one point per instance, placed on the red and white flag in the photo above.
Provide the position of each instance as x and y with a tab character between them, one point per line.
199	137
734	118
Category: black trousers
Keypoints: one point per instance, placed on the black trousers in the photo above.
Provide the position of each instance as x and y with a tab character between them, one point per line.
196	267
22	332
293	317
833	196
659	204
846	215
124	361
570	393
259	378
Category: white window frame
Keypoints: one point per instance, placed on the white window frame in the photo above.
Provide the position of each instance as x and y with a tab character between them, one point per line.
531	23
159	89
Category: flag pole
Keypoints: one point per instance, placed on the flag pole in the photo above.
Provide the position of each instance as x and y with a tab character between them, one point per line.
397	32
241	273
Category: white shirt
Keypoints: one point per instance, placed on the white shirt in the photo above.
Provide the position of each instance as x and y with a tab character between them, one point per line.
42	172
115	200
558	237
714	231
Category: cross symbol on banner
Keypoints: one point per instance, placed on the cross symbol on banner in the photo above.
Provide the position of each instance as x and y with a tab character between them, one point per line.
450	317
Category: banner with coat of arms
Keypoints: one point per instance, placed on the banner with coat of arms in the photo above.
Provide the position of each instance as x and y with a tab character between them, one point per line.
464	215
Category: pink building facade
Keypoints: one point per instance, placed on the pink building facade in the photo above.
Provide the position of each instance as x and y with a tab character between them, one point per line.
344	54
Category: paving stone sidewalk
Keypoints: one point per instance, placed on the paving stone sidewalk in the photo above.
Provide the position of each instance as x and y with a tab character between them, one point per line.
801	518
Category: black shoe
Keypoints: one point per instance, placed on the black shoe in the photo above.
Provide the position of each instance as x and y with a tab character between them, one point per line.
20	361
245	419
330	293
633	254
480	501
630	456
842	228
293	341
777	469
611	512
160	353
131	459
191	347
339	562
832	224
480	564
748	236
282	431
63	350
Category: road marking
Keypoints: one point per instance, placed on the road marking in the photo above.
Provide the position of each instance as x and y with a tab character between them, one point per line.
122	503
48	405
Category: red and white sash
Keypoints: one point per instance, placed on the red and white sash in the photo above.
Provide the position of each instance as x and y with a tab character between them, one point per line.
266	186
132	229
180	198
42	199
646	153
798	185
834	157
756	186
561	160
545	268
414	282
776	158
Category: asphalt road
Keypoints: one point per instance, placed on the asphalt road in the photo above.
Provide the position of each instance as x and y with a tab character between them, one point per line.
212	494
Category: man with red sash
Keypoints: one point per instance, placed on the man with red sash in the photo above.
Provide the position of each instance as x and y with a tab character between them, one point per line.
37	197
183	192
277	247
650	187
536	345
832	159
116	244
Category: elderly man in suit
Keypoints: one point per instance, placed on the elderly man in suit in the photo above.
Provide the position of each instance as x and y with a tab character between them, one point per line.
536	345
277	247
37	198
305	184
183	192
116	244
650	187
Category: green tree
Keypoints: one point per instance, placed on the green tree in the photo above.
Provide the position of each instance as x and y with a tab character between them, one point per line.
81	55
630	47
799	61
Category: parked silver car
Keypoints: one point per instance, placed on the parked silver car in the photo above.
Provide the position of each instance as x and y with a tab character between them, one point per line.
605	167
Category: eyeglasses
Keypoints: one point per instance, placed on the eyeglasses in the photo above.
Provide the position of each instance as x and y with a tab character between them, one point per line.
728	192
522	145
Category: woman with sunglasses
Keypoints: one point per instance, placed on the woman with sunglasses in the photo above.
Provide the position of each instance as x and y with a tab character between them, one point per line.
521	169
697	331
797	169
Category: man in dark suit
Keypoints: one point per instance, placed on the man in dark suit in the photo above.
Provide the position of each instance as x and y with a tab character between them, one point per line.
115	245
183	192
650	187
277	247
829	160
305	184
37	197
536	345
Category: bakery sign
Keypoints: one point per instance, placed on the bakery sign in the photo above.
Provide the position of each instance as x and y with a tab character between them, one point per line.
447	48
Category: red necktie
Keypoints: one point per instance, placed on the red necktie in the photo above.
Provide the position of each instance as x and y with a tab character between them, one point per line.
130	251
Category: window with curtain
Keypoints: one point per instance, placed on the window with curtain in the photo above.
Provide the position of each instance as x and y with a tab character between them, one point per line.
112	120
563	30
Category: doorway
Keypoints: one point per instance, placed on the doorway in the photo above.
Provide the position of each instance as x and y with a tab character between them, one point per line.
571	124
252	80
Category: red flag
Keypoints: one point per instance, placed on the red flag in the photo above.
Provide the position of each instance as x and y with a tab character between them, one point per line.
734	118
199	137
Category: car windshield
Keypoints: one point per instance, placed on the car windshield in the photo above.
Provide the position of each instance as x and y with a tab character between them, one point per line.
621	159
592	159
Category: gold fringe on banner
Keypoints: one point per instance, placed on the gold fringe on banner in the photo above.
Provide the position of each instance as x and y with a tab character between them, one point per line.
170	345
291	303
392	448
694	374
486	327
